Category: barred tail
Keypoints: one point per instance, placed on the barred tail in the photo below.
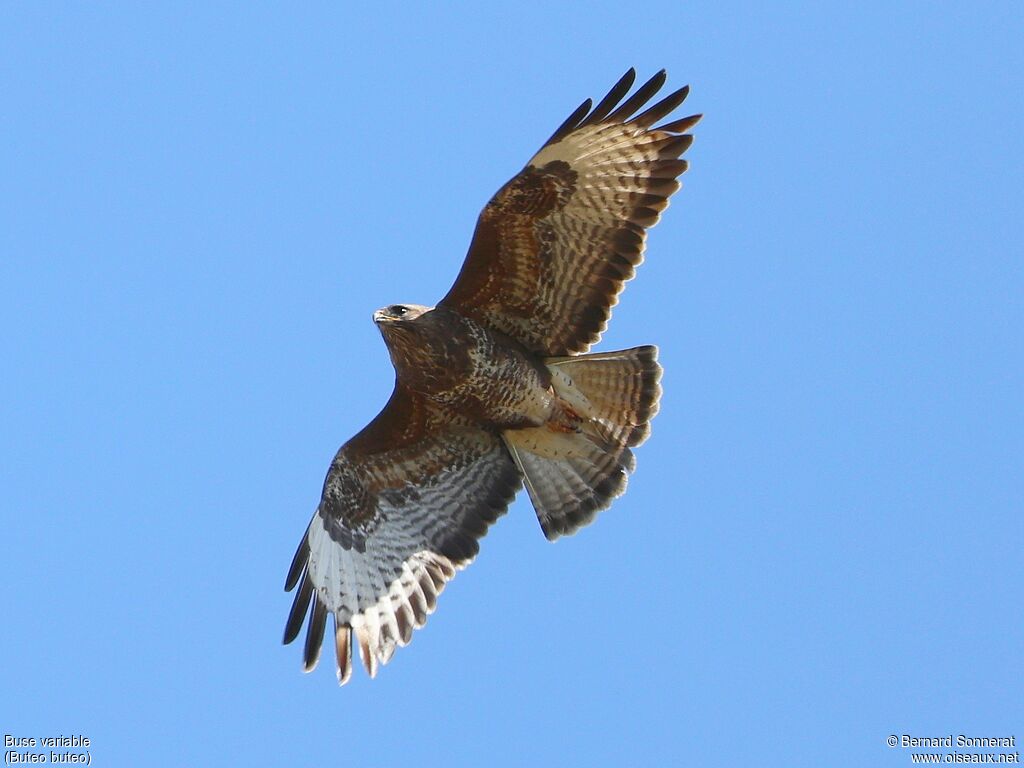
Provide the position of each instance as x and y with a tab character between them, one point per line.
575	466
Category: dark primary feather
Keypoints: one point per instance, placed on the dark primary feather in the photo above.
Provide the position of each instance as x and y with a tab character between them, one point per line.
662	108
679	126
298	563
642	96
614	96
301	603
571	122
314	635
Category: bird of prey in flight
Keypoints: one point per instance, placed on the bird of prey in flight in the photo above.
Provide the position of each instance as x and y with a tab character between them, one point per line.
495	387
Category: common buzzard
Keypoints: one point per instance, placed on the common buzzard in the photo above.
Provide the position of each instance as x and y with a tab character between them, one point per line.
493	386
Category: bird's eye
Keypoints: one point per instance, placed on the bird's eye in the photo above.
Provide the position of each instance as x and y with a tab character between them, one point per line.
398	310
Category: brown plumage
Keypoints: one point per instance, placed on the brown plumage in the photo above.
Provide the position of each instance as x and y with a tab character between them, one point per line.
492	389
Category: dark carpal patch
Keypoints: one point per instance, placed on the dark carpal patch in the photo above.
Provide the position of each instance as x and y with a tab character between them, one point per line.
536	192
349	512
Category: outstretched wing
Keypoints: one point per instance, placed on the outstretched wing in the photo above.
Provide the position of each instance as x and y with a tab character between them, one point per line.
554	246
403	506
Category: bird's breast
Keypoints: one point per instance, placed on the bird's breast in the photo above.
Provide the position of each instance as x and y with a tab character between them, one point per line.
485	377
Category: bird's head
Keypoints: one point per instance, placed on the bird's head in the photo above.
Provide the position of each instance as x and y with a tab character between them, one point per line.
402	326
418	339
397	314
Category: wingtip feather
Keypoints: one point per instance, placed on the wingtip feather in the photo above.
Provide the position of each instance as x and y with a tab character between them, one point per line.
297	613
343	651
681	125
314	636
298	563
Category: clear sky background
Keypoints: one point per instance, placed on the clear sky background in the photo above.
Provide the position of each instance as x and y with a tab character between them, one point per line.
200	208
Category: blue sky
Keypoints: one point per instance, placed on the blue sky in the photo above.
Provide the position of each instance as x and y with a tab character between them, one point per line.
200	208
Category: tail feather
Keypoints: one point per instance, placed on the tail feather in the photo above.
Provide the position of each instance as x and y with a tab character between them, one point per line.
575	467
622	389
